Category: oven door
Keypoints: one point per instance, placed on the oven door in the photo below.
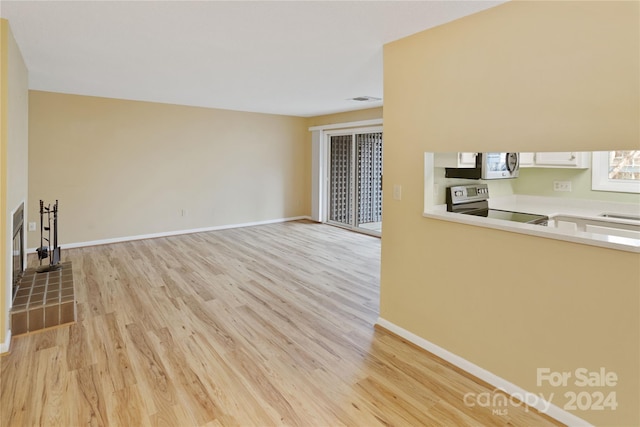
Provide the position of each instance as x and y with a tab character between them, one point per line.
499	165
478	208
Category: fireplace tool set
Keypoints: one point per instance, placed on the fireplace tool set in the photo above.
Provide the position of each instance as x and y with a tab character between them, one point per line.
48	251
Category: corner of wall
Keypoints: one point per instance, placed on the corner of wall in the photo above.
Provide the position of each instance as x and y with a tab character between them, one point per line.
4	28
14	118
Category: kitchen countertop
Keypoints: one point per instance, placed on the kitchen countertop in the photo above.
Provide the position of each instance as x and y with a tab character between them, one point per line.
551	206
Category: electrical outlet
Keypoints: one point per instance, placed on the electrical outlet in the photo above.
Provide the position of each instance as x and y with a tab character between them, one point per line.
561	185
32	226
397	192
183	212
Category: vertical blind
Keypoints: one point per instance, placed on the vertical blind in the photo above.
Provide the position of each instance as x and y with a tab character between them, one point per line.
368	164
341	190
369	147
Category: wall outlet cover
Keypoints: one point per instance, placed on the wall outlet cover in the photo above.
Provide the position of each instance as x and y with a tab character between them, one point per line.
561	185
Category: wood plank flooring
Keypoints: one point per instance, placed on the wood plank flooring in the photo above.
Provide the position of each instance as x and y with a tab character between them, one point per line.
260	326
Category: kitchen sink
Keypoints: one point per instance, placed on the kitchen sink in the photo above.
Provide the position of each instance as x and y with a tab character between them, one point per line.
629	217
609	224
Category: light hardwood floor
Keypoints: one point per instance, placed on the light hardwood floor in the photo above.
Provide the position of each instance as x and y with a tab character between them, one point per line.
260	326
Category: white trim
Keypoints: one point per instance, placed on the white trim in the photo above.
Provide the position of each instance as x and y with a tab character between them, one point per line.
175	233
600	176
324	140
4	346
318	164
353	131
361	123
511	389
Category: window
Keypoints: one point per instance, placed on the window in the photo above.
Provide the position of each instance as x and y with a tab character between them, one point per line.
616	171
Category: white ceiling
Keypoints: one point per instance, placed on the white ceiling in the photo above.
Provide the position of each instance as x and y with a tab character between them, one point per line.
301	58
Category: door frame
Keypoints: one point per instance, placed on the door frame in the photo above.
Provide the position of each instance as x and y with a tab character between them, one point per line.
326	176
319	163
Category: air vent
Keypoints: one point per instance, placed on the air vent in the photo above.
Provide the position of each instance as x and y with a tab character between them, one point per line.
365	99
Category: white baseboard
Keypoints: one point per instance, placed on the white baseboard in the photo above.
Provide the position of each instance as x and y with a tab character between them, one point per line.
172	233
4	346
500	383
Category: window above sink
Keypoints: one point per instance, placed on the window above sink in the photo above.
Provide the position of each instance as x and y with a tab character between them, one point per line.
617	171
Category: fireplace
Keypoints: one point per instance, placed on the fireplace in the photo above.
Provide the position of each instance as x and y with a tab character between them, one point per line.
17	249
41	298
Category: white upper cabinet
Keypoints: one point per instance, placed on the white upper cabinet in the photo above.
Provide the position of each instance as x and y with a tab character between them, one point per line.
527	160
455	160
556	159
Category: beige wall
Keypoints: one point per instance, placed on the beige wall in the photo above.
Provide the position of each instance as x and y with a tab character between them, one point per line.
13	169
557	76
125	168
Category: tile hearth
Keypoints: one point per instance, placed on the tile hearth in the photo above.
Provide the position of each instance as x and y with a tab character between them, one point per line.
43	300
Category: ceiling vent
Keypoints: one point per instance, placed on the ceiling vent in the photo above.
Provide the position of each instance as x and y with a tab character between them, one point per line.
365	99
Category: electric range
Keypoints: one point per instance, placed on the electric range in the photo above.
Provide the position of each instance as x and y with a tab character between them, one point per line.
474	200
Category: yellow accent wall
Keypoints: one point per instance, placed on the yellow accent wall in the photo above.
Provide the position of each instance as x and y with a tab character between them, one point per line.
126	168
523	76
13	158
4	29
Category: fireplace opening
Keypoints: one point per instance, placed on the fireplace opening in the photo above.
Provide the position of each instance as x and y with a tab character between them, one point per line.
18	247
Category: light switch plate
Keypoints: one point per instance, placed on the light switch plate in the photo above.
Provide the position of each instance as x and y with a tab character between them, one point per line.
32	226
397	192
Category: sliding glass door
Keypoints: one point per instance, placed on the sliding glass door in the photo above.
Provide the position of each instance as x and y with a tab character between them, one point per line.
355	181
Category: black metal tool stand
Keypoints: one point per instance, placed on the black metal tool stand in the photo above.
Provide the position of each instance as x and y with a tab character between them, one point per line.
51	252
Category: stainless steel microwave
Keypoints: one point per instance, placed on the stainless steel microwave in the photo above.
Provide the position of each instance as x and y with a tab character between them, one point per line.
489	166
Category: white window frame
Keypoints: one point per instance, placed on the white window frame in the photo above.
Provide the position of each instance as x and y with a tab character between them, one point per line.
600	176
319	162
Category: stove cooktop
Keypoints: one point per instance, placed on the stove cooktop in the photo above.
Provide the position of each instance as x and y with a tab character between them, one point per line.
510	216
